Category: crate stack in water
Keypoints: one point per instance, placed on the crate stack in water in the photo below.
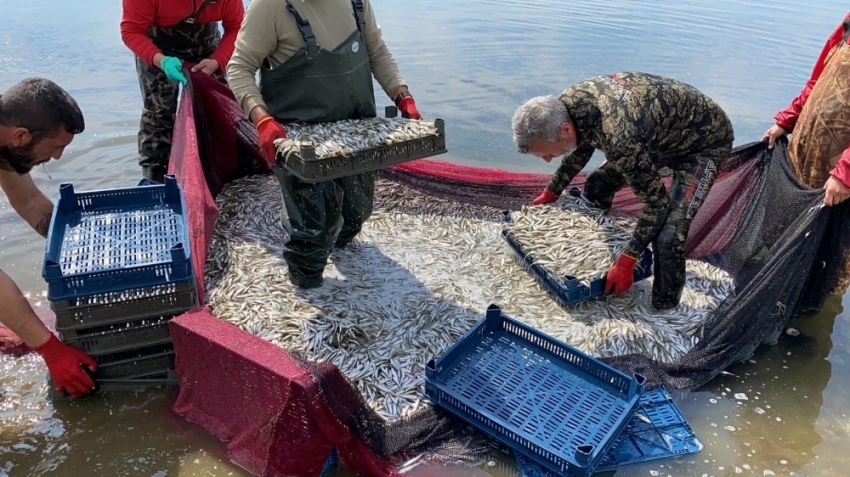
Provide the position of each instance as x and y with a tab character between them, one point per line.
118	268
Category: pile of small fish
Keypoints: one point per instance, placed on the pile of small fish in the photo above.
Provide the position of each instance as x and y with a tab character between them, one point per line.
341	138
420	274
569	237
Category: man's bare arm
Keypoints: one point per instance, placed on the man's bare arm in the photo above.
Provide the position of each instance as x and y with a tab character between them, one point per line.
27	200
17	314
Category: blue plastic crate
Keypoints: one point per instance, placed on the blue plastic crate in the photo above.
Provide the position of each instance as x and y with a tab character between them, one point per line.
331	464
528	468
535	394
668	434
111	240
569	290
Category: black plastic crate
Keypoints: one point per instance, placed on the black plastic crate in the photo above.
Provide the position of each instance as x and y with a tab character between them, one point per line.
108	339
309	168
167	378
124	306
134	363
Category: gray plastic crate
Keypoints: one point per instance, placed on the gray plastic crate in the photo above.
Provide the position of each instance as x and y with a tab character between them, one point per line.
134	363
307	167
119	337
167	378
125	306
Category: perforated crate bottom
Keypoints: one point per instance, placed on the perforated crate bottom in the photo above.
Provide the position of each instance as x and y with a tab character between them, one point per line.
533	393
667	435
111	239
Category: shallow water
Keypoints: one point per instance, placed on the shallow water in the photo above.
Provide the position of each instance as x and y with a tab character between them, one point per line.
470	63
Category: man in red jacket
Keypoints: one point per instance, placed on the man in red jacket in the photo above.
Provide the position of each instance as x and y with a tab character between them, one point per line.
163	34
819	118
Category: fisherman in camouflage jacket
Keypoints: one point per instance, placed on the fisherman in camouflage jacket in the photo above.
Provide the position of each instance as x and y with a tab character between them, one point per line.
642	123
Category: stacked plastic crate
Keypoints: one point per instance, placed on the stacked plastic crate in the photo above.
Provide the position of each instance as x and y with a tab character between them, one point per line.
118	268
561	411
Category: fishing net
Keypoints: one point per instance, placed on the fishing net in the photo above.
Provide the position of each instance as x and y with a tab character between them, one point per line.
759	224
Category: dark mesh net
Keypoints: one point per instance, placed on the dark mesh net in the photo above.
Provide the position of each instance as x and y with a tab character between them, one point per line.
786	254
758	223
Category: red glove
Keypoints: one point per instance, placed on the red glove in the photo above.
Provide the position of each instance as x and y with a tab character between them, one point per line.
621	276
65	364
408	108
270	131
545	197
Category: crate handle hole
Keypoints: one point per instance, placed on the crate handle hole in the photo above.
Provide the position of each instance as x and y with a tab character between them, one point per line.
583	453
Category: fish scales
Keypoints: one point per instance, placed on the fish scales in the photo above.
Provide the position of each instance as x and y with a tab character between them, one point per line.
342	138
420	274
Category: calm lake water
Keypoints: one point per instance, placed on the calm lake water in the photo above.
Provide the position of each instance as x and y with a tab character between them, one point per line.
471	63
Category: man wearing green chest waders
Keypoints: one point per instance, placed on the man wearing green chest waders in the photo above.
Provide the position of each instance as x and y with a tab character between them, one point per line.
316	60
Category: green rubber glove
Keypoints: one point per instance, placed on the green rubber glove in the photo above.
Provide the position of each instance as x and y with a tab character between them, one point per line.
173	69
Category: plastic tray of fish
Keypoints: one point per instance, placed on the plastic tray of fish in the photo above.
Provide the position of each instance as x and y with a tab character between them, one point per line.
568	289
109	311
658	430
110	240
319	152
539	396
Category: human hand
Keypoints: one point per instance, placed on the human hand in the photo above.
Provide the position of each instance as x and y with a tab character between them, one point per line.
836	192
621	276
207	66
772	134
545	197
173	69
270	131
65	364
407	106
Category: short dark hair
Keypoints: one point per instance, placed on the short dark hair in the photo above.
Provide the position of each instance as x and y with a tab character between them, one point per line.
41	106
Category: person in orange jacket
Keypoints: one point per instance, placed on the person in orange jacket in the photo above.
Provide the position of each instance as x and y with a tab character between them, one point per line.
38	119
819	118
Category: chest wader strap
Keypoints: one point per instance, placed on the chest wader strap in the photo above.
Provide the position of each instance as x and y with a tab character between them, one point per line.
359	13
306	32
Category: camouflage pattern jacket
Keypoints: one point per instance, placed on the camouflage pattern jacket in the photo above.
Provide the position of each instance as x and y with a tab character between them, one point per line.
642	123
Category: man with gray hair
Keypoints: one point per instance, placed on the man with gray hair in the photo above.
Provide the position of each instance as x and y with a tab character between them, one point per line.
642	123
